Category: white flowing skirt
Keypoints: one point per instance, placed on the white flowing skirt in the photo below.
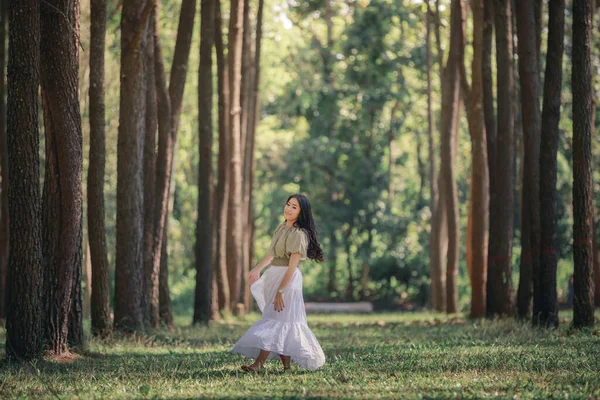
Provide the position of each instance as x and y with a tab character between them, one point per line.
285	332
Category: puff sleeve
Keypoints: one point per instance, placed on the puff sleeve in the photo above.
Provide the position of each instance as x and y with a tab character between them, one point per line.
297	242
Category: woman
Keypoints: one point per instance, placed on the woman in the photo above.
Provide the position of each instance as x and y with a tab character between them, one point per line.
282	331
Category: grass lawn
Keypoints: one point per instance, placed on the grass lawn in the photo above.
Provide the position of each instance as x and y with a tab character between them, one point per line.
412	355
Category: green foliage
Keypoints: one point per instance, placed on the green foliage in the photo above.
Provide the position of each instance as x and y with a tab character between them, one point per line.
333	116
409	355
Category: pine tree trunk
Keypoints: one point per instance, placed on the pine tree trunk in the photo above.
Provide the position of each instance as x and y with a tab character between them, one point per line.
4	223
546	298
253	119
87	299
3	171
331	283
223	178
169	106
530	109
247	151
63	201
449	137
24	329
581	82
234	220
150	297
596	271
129	277
164	308
100	301
479	199
204	224
499	286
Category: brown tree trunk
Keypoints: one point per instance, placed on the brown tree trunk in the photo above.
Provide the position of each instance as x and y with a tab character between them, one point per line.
449	137
479	200
581	82
169	105
530	110
149	299
62	202
204	224
223	178
247	151
100	301
234	220
129	277
76	335
3	171
439	220
596	270
430	120
254	118
164	308
87	299
350	284
499	284
331	282
24	332
545	299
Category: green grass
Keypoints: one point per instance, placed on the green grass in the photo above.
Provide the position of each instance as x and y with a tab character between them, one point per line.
368	356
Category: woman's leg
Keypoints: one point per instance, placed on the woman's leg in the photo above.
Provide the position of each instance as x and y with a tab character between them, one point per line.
286	361
257	365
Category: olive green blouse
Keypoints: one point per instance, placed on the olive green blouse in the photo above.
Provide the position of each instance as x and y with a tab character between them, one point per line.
285	242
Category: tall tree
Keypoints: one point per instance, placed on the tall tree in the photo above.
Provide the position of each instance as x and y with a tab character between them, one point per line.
499	284
130	216
438	241
583	217
204	224
449	137
3	171
169	105
62	201
222	195
150	297
544	294
479	192
234	220
25	275
100	301
531	119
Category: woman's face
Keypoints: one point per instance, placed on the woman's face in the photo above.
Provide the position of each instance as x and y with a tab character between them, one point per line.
291	211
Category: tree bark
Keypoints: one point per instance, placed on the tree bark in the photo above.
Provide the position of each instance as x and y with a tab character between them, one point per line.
150	298
223	179
499	284
100	301
449	135
165	314
204	224
438	241
129	278
253	119
581	82
596	271
62	200
234	220
24	332
3	171
479	200
530	110
169	105
331	283
545	299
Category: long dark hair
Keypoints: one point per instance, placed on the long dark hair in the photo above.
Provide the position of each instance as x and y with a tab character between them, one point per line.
307	224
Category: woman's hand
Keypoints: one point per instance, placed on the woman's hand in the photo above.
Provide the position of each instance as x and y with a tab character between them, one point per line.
278	304
253	275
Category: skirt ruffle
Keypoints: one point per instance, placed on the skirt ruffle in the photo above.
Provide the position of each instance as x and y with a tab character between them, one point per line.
282	333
